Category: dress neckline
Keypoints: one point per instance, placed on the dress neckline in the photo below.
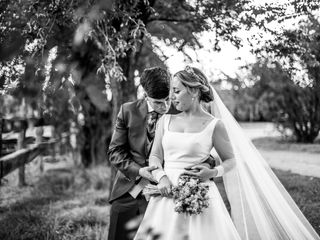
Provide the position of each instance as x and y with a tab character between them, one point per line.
210	122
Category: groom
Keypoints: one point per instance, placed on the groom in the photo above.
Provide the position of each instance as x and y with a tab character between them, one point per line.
130	147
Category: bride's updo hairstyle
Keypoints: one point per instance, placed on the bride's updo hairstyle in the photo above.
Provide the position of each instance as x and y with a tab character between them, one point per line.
192	77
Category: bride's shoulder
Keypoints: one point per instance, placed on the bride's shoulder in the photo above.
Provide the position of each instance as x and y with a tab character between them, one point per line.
219	123
220	129
210	117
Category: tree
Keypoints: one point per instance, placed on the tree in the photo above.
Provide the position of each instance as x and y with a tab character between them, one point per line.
299	53
32	30
101	44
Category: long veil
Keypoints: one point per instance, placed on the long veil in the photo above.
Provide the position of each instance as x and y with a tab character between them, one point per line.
261	208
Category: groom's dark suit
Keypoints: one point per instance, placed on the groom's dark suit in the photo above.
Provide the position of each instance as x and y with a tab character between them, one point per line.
128	152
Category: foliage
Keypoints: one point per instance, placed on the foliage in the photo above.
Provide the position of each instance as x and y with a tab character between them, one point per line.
28	35
81	50
38	62
273	95
71	52
298	52
252	96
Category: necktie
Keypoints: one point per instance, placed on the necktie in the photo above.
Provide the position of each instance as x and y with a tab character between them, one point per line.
151	124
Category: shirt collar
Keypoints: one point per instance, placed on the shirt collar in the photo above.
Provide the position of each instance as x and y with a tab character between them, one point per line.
150	108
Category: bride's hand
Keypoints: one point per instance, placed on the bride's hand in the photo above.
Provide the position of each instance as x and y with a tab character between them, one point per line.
202	172
164	186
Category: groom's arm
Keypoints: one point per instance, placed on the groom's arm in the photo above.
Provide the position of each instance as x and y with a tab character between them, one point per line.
210	162
118	153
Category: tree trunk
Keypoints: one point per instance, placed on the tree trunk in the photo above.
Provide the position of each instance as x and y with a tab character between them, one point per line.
307	136
95	134
123	91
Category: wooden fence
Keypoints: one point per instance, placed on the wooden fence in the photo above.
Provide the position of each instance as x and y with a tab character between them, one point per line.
21	157
24	154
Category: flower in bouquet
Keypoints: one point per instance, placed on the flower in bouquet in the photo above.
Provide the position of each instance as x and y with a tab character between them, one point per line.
190	195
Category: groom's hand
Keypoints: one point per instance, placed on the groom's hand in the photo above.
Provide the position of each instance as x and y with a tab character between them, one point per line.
202	172
145	172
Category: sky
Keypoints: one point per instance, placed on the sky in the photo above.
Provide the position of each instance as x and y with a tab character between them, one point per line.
228	61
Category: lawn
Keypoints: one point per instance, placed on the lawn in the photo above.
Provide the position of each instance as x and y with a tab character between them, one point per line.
72	203
61	204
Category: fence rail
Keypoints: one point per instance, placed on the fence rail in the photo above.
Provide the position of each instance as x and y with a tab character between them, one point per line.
21	157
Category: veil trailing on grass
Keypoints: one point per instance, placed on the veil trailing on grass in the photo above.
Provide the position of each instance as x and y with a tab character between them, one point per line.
261	208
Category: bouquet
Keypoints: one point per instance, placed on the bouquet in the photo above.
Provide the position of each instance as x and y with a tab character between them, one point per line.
190	195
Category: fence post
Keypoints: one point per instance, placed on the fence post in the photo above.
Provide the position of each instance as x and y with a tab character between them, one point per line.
74	144
1	130
20	145
39	133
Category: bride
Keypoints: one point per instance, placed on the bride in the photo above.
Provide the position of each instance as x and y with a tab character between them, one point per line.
260	206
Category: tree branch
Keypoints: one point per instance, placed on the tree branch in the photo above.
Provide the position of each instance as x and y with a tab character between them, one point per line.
169	19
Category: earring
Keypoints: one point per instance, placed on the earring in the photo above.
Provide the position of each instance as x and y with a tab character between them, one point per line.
192	98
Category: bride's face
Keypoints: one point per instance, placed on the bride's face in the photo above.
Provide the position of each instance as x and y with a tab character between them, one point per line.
181	97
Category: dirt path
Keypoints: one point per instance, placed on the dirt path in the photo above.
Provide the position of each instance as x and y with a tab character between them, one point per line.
302	163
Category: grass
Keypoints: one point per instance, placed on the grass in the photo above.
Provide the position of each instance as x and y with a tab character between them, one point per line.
62	204
71	204
305	191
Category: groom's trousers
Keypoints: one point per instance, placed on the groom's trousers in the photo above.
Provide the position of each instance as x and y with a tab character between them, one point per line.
124	209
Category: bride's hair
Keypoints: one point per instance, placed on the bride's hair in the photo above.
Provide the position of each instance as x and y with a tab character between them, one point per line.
192	77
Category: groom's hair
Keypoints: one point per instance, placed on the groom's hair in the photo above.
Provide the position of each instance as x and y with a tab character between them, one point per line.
156	82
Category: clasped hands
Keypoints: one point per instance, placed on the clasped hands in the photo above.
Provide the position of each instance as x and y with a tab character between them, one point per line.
164	185
146	172
201	171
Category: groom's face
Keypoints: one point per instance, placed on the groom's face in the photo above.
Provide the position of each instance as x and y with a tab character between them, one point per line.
159	105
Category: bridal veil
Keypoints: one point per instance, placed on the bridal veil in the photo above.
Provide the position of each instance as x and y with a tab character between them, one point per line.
261	208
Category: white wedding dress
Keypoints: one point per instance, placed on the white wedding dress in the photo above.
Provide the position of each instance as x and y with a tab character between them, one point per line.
180	150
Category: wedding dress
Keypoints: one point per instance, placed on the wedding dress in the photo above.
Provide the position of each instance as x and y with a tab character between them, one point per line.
181	150
261	208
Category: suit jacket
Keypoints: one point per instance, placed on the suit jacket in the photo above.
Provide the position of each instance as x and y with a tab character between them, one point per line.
128	150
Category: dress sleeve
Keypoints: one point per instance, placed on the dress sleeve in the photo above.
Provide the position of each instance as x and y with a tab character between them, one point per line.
221	142
156	157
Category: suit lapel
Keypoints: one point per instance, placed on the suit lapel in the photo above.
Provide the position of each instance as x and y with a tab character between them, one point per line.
143	112
142	109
